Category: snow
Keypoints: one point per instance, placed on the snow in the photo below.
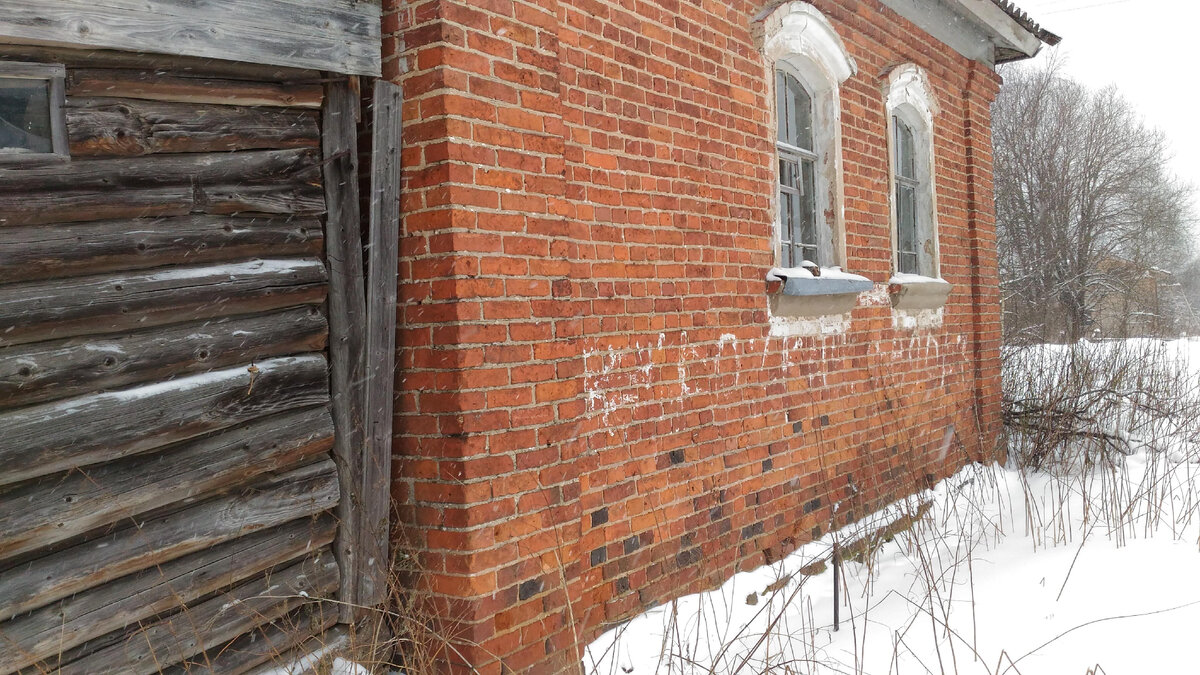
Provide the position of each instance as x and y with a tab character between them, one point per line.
784	273
309	664
233	270
1011	572
902	278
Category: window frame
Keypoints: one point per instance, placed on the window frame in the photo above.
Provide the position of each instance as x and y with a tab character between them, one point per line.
55	76
805	162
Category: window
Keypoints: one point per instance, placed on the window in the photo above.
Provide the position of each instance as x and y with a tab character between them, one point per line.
910	107
809	63
907	187
32	119
914	203
797	173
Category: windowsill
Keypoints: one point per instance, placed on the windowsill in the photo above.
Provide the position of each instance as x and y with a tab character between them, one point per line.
913	291
801	293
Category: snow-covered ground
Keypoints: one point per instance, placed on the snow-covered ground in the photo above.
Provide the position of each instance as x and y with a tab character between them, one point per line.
1067	571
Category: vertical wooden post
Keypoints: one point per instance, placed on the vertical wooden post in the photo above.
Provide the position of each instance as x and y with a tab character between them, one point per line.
382	260
347	325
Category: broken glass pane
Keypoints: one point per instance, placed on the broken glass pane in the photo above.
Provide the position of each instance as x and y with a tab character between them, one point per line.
25	116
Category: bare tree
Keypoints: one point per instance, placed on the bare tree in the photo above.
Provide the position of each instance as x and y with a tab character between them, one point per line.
1087	210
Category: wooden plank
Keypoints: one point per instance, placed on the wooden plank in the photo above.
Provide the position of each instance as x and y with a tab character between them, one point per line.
52	437
46	632
123	127
43	310
218	168
340	37
153	85
148	649
46	252
47	371
40	513
269	644
347	318
383	255
145	541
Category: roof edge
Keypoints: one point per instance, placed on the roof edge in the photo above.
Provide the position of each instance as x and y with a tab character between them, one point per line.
1016	35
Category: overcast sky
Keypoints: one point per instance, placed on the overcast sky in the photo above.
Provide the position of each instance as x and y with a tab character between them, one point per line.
1147	48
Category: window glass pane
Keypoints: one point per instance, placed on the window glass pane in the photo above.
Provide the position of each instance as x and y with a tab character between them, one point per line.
781	108
794	109
808	210
25	116
906	225
802	103
905	154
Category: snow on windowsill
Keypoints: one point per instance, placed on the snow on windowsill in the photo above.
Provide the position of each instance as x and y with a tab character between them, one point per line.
785	273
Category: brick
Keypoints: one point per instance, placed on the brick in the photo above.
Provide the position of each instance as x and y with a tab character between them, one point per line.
589	389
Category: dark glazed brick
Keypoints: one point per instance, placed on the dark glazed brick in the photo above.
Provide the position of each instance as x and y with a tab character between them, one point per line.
752	530
687	557
797	427
767	465
632	544
622	585
530	588
677	456
813	505
599	555
600	517
824	420
715	514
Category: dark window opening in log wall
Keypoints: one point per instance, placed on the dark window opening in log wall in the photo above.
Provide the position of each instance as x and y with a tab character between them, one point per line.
32	122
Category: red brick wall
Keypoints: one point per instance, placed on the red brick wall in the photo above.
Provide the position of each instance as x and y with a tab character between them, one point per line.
592	415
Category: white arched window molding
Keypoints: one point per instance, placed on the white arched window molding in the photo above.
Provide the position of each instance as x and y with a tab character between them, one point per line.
799	41
911	110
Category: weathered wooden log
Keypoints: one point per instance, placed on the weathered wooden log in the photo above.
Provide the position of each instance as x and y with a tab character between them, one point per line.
46	371
43	208
52	437
46	632
187	66
44	512
46	252
220	168
124	127
270	644
301	197
340	36
153	540
43	310
147	650
155	86
71	206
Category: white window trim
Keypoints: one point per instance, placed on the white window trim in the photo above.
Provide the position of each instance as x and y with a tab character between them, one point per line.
798	38
908	97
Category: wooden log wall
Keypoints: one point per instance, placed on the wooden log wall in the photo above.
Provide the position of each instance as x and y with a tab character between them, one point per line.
168	495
